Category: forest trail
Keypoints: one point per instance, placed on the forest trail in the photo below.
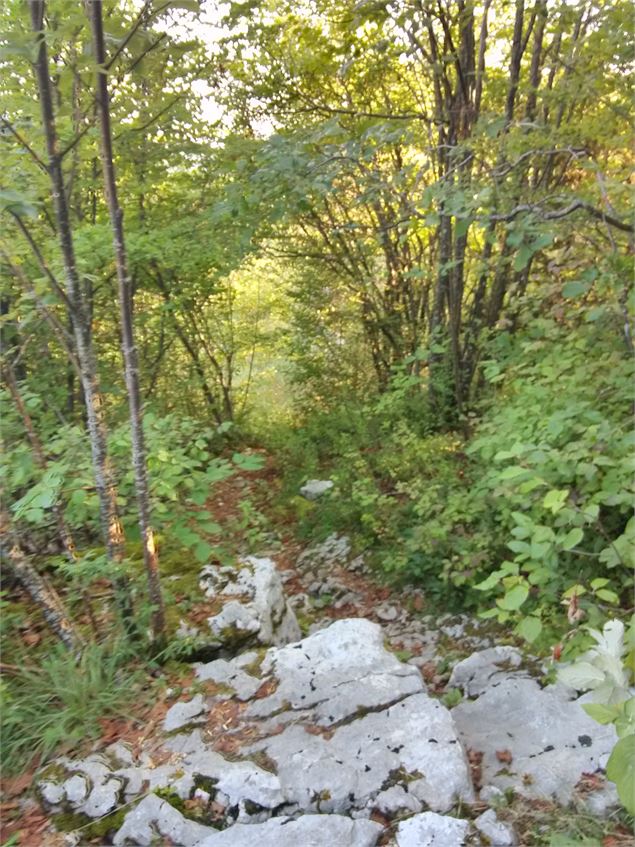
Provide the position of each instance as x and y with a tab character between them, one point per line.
382	713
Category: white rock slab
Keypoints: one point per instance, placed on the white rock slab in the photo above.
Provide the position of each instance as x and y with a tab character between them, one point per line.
244	784
227	673
413	743
551	738
154	817
485	669
102	799
430	830
307	831
183	713
337	672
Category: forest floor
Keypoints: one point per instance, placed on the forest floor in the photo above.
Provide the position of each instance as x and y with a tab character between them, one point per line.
345	593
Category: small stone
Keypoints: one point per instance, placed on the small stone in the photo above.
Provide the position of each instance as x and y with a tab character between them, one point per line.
102	799
387	613
499	834
319	559
95	766
491	794
183	713
315	488
394	800
51	793
431	830
356	564
76	789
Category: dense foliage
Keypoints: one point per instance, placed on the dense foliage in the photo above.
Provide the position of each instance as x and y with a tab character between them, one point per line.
387	242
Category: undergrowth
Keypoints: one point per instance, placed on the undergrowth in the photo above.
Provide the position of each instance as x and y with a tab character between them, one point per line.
58	704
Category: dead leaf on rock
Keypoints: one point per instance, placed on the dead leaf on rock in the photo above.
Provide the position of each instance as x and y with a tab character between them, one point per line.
589	782
504	756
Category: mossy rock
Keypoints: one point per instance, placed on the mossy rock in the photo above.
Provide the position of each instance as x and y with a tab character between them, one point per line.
90	828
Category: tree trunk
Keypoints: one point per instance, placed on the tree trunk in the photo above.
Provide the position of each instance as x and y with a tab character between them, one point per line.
104	480
43	595
131	366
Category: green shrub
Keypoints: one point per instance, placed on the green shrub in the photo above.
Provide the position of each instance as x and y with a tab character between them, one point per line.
531	512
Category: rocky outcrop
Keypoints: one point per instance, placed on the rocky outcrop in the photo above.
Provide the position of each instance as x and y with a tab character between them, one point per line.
359	733
254	607
307	831
310	741
548	740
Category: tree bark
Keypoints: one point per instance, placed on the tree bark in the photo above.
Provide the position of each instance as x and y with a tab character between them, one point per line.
131	367
41	592
80	319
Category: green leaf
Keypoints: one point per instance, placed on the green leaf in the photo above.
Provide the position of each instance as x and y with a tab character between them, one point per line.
608	596
581	675
601	713
211	527
203	551
514	598
519	547
575	289
78	496
513	472
555	499
620	769
530	628
490	582
572	538
522	257
248	461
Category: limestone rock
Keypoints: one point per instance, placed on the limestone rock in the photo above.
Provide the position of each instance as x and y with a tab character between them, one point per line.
431	830
498	834
337	672
244	786
387	613
260	612
485	669
334	550
76	789
226	673
154	817
307	831
551	739
51	793
412	744
313	489
395	800
183	713
102	799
